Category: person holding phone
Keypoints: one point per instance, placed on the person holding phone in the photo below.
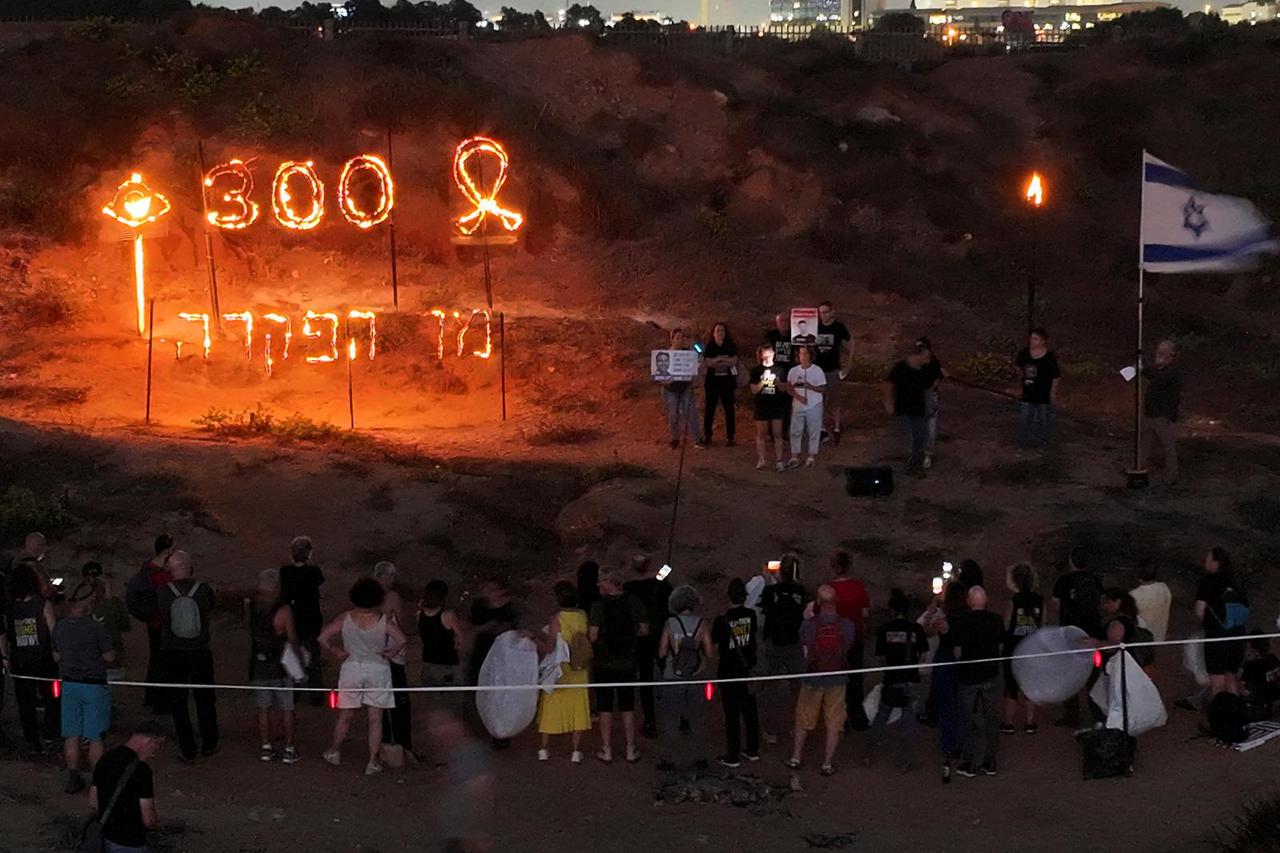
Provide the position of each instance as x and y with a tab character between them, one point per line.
766	381
806	383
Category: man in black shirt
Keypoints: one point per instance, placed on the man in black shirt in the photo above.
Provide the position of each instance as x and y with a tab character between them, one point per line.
899	642
134	810
834	352
1162	405
300	583
653	594
1040	376
734	634
1079	598
904	398
979	633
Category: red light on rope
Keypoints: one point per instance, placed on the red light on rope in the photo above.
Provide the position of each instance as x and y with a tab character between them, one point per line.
1097	659
485	201
709	691
333	700
57	688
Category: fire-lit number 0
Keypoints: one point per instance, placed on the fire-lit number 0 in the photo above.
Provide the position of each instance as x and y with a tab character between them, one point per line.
289	207
348	204
236	182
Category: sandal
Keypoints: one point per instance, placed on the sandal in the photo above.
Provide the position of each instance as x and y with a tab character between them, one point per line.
793	763
828	770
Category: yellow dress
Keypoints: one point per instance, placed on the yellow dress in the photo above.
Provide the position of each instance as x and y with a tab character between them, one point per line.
563	711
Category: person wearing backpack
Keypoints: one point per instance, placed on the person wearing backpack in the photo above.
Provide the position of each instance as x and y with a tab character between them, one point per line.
618	620
27	650
782	605
734	635
1223	610
653	594
686	646
185	607
826	637
565	710
140	600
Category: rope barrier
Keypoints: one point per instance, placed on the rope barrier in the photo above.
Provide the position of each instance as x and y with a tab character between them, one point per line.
866	670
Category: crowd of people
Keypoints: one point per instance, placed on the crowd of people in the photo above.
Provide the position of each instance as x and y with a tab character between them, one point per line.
619	630
796	394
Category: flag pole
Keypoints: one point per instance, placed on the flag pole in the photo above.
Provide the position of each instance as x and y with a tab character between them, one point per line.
1138	474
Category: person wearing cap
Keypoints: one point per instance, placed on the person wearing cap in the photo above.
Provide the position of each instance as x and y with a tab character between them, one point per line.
82	648
110	612
397	724
932	395
134	812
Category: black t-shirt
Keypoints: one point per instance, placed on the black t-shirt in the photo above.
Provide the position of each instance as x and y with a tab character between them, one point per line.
1027	615
1164	391
715	350
901	642
978	634
300	589
654	595
782	604
909	385
933	370
1037	376
827	355
734	634
1079	595
782	357
124	827
1215	590
770	400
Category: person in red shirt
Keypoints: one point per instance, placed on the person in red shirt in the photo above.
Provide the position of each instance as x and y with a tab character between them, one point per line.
853	602
156	567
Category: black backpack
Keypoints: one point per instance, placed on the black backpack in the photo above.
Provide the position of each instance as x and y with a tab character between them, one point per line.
785	616
618	634
1228	714
140	596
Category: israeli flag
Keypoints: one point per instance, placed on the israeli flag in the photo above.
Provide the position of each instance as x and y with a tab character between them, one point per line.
1186	230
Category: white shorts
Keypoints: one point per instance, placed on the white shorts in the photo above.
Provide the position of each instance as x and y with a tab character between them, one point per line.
365	683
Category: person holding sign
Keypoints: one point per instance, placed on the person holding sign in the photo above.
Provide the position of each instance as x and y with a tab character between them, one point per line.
669	367
721	360
770	406
806	384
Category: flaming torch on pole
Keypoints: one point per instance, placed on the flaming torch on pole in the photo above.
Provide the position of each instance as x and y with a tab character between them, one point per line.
134	205
1034	196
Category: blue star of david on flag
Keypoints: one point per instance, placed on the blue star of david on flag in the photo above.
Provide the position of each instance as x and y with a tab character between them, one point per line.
1193	218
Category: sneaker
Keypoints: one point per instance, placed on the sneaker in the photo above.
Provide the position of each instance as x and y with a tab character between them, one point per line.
828	770
332	756
373	768
823	436
544	755
74	783
266	752
946	774
576	757
633	755
793	463
770	739
793	763
728	761
751	756
1031	728
761	464
605	756
810	462
779	466
928	461
290	756
987	769
1007	729
700	445
967	771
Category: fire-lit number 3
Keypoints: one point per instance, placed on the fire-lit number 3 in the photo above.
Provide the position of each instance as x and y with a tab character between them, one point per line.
230	184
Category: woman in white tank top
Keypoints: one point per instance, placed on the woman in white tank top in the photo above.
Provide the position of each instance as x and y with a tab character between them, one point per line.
369	642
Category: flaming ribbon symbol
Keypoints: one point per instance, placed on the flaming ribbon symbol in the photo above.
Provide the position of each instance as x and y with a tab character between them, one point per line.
485	202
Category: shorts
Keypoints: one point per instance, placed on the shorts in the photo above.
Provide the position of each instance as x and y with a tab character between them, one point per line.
825	702
86	710
1223	658
365	682
610	699
770	408
273	700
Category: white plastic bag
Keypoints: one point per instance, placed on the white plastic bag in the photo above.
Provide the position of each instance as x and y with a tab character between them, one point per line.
1193	659
513	661
871	706
1049	680
1146	708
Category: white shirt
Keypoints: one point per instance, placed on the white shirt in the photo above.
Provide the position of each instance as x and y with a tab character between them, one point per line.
1153	600
813	380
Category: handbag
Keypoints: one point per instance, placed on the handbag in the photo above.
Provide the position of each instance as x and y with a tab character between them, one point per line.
91	840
